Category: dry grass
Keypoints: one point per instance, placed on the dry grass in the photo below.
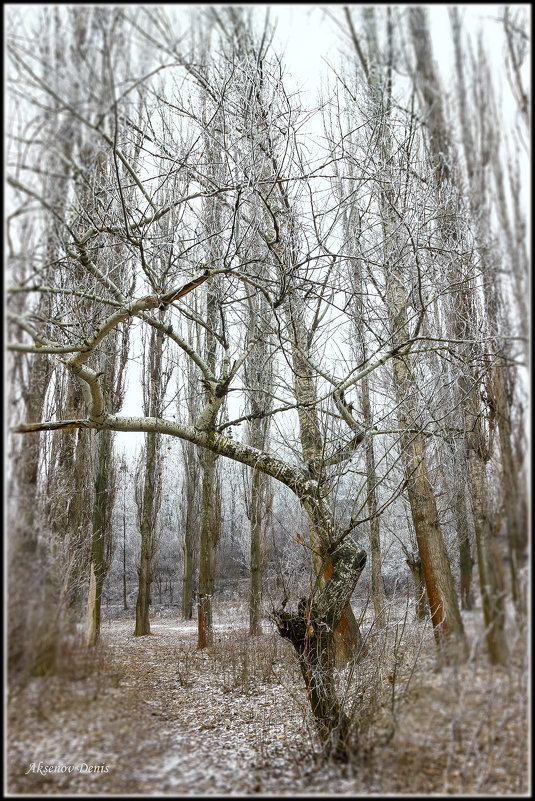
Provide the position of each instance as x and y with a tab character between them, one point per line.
424	728
234	718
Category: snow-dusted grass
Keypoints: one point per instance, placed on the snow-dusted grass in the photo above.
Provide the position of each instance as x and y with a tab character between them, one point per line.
233	719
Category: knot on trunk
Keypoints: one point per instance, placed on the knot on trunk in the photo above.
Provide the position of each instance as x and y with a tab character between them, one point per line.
301	627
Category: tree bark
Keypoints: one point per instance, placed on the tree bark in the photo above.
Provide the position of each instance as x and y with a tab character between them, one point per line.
443	604
415	565
490	573
378	596
444	608
209	540
189	538
190	526
125	604
348	638
258	374
150	502
101	536
461	512
311	632
24	614
257	530
190	506
498	376
447	623
463	329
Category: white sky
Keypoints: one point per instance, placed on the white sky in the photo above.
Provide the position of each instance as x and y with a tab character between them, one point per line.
309	39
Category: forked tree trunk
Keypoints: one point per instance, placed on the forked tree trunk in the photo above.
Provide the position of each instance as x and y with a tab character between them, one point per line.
311	631
114	363
347	637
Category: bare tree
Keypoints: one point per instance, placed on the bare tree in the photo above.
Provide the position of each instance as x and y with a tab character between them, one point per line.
398	240
477	449
223	214
190	504
500	378
258	377
149	493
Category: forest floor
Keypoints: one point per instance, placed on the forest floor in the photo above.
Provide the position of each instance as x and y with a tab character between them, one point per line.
156	717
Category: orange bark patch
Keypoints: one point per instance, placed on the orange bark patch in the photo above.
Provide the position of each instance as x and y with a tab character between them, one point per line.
343	631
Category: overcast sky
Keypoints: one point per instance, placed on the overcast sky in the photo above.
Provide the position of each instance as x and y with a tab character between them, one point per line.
310	39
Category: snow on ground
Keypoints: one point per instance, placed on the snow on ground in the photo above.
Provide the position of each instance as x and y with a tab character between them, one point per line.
153	715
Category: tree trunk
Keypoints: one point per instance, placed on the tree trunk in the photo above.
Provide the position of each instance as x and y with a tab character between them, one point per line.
144	599
347	637
497	378
146	568
514	498
463	329
100	539
258	374
190	526
311	631
442	598
466	563
92	626
210	530
25	615
444	608
257	556
490	573
150	501
187	576
447	623
378	596
125	604
190	511
415	564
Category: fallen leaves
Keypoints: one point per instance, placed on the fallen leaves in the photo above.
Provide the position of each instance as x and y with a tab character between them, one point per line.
233	719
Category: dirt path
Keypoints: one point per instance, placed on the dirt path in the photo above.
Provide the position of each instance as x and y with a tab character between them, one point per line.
154	716
164	718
